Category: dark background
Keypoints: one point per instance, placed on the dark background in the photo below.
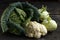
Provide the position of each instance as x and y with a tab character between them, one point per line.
53	7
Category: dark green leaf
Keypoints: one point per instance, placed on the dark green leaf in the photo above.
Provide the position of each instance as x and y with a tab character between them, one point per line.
5	17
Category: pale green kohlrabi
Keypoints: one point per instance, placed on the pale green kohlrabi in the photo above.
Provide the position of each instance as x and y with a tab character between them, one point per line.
44	14
47	20
51	25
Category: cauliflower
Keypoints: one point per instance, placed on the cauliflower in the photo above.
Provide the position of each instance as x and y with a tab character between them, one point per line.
50	25
34	29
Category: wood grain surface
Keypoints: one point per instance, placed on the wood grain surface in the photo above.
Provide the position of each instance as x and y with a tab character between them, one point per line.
54	10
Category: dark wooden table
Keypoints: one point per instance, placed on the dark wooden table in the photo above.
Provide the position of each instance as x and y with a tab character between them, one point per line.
54	10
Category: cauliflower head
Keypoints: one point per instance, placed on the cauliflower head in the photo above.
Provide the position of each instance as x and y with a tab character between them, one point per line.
35	29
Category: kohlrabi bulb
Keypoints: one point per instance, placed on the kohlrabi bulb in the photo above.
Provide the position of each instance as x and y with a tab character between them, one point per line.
50	25
44	14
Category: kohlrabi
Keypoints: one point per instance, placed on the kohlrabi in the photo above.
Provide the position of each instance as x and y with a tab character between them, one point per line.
47	20
44	14
51	25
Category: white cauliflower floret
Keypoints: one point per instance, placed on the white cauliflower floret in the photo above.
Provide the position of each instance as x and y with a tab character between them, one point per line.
43	30
37	35
34	29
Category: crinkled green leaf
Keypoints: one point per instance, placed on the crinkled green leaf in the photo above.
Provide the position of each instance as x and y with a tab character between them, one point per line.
21	13
5	17
17	16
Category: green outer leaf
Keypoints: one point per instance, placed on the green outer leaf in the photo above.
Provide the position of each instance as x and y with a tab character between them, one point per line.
17	4
15	18
17	26
20	14
5	17
36	13
6	14
30	16
24	5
